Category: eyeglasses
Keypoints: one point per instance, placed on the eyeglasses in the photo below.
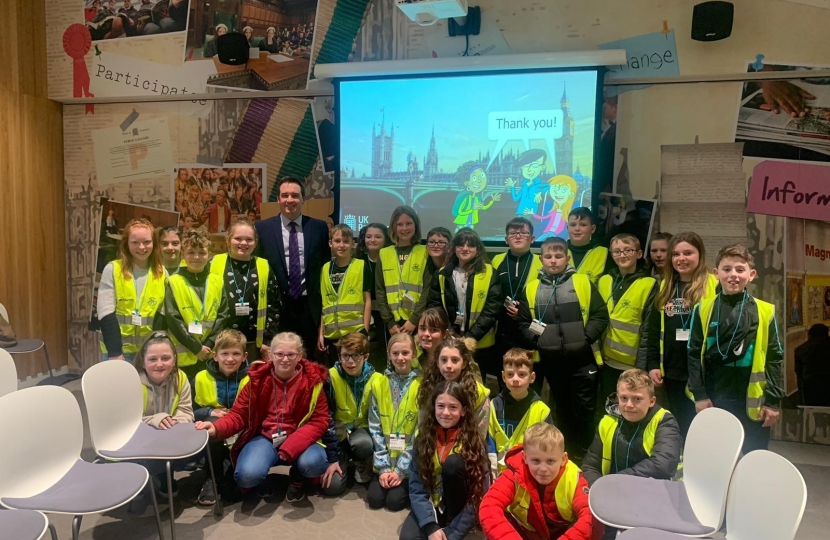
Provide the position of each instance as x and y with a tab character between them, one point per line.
291	356
437	243
348	357
621	252
516	234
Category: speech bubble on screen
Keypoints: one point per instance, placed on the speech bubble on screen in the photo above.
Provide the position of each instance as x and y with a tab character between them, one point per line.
503	126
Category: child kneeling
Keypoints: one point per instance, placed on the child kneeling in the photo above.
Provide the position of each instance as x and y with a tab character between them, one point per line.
539	476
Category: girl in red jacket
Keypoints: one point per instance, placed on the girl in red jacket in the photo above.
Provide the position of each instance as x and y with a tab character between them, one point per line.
281	414
541	495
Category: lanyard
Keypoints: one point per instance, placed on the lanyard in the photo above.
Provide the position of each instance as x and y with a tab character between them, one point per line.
204	300
280	415
734	332
521	279
139	299
552	294
395	425
241	292
614	286
401	282
336	295
684	322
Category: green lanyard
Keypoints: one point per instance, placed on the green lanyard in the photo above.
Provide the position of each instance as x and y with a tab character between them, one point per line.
395	425
139	299
204	300
614	286
552	294
240	292
521	279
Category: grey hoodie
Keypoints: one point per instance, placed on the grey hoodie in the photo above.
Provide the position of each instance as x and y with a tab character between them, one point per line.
160	398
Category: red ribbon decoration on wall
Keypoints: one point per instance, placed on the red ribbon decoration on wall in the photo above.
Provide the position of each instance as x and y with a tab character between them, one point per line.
76	43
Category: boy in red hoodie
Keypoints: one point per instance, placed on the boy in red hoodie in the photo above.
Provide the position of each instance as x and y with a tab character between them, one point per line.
541	495
281	413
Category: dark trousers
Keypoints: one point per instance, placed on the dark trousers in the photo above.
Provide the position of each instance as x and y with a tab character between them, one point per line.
358	446
755	436
573	388
454	478
680	405
394	499
296	317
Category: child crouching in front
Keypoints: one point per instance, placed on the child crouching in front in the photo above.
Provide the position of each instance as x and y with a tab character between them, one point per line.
166	390
541	495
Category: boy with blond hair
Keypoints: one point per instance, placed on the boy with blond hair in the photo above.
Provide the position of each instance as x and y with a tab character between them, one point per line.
735	353
637	436
628	290
517	407
541	495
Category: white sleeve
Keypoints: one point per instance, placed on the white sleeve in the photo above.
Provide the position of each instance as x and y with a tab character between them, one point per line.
106	292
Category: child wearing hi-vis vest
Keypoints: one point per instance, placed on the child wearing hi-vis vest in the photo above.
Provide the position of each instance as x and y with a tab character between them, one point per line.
585	254
345	285
350	385
735	353
516	408
393	418
564	317
217	388
166	392
628	290
195	308
541	495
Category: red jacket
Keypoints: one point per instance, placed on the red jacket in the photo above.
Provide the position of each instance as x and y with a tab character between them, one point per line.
497	524
266	391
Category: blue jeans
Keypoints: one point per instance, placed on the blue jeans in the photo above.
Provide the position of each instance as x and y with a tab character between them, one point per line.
258	456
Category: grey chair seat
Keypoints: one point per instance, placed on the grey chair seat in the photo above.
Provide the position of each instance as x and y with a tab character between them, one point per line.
25	346
626	501
649	534
178	442
22	525
88	488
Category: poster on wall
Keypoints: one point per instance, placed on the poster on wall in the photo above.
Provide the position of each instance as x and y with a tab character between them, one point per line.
279	35
212	199
111	19
141	151
785	119
114	217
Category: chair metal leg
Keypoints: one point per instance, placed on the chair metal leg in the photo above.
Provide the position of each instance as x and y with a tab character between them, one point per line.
170	501
48	363
76	527
155	507
52	532
217	505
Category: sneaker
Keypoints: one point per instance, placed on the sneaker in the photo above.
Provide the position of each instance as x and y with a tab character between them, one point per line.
296	492
163	486
207	497
362	472
265	490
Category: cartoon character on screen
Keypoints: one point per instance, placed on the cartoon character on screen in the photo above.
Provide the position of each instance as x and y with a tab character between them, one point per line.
529	192
556	205
470	202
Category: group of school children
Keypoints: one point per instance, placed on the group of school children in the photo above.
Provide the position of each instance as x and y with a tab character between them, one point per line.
425	433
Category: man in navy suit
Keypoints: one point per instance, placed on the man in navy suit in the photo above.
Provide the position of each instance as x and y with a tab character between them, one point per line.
296	247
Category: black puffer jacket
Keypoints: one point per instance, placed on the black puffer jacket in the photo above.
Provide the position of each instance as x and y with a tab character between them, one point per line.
493	304
627	453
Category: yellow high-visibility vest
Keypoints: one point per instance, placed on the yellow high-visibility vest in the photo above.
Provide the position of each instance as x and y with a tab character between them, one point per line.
757	375
582	287
536	414
400	280
593	263
146	393
217	267
564	495
206	394
343	309
349	415
152	297
608	427
401	422
481	284
190	308
532	272
622	339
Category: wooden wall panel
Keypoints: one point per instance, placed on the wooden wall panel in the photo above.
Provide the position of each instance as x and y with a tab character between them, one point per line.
33	280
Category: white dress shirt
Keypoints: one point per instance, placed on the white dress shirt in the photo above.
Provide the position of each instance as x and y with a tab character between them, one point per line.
286	234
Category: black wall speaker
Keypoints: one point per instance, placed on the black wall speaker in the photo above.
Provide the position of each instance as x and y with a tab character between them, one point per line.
712	21
232	48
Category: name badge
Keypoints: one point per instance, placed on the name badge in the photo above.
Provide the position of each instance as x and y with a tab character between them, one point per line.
537	327
135	319
407	301
230	440
397	442
195	328
277	439
242	309
681	334
459	319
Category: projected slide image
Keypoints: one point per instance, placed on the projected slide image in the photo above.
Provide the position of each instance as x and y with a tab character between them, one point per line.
471	151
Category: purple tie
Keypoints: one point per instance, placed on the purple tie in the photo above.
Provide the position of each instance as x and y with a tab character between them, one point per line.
295	278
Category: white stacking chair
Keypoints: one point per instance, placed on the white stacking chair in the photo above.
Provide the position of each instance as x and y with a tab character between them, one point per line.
115	404
694	507
8	373
24	525
40	464
766	501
